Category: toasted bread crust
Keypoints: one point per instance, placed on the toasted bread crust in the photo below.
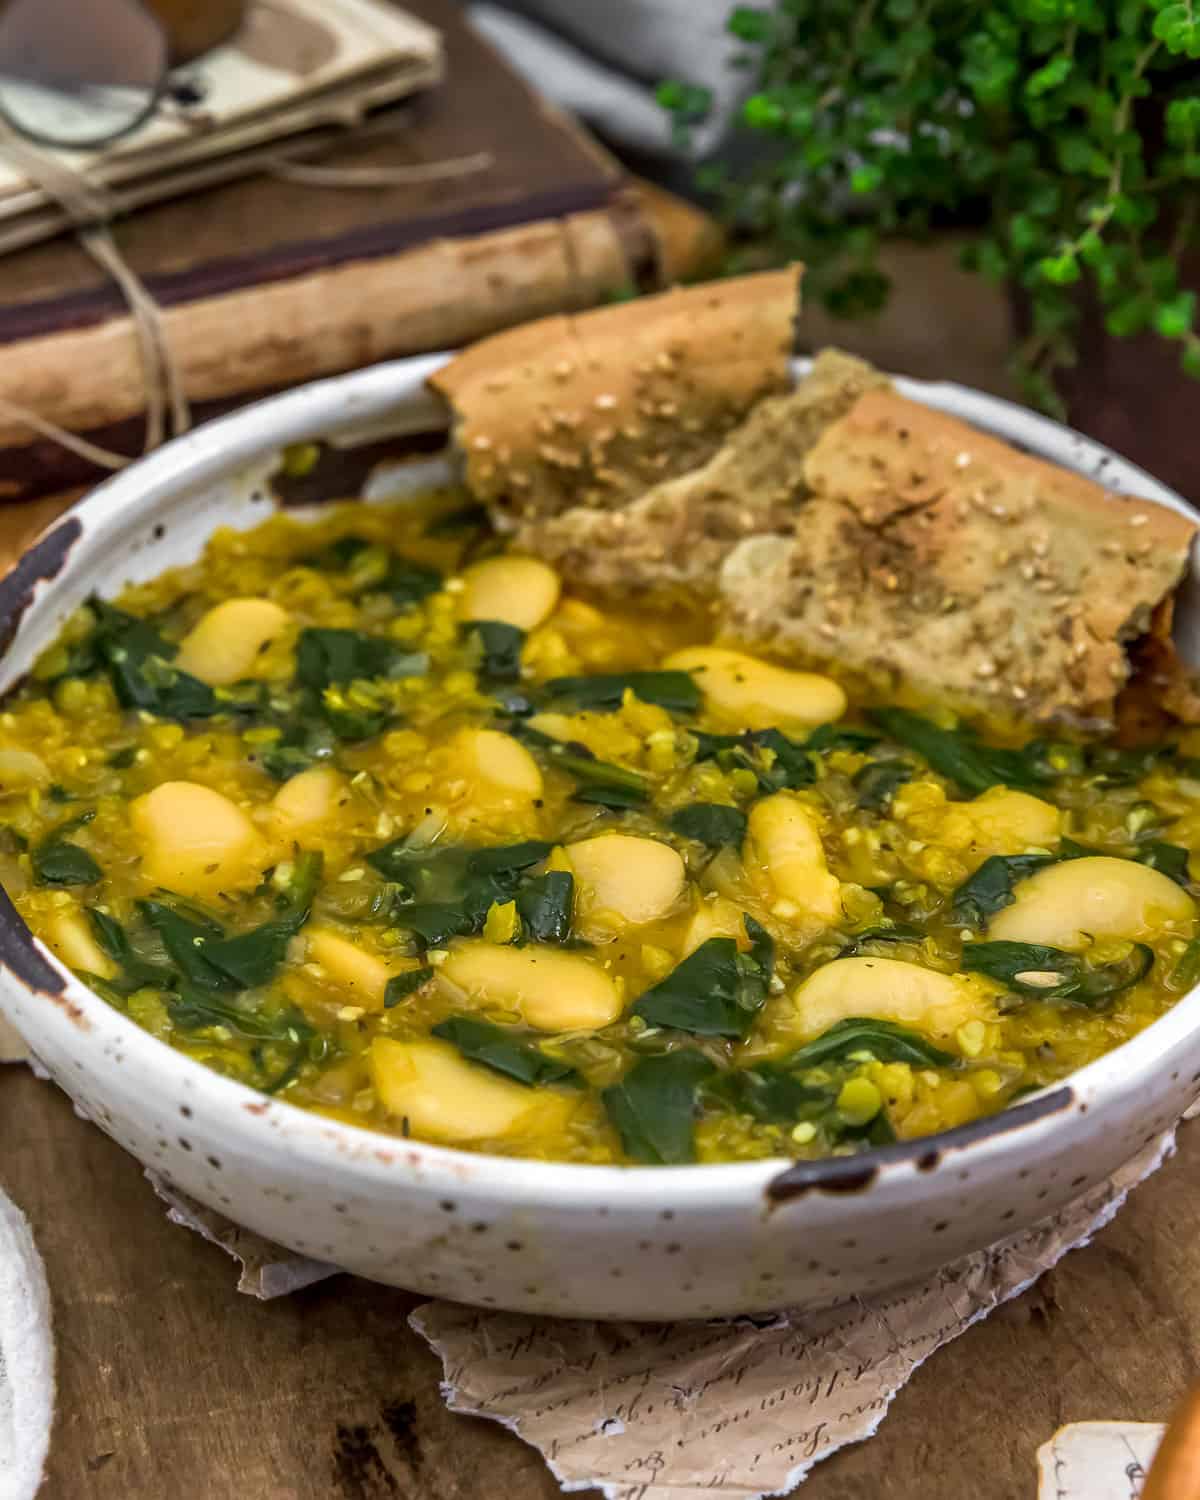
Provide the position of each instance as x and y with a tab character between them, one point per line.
934	554
591	410
677	535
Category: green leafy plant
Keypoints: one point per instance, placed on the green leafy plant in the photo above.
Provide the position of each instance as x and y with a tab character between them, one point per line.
1067	132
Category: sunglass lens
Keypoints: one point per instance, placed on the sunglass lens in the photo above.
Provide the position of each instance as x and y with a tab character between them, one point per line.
76	74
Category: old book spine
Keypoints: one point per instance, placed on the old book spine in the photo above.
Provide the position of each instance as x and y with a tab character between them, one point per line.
232	347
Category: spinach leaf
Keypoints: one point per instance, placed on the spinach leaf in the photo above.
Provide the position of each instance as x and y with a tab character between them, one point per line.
139	665
193	1011
506	861
1169	858
185	939
504	1050
545	904
675	691
1029	969
1186	973
448	890
960	756
828	737
114	940
884	1040
251	958
499	649
774	759
401	986
654	1105
209	959
373	569
615	798
598	780
409	582
898	933
771	1094
991	887
715	991
878	782
328	658
303	743
710	823
57	861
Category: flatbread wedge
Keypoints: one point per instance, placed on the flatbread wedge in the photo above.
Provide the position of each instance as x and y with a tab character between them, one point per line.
676	536
591	410
934	555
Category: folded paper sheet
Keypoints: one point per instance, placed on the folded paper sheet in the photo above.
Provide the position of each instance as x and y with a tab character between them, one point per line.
295	65
724	1410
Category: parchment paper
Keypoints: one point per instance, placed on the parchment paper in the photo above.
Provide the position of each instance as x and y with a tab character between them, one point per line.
1097	1460
722	1410
735	1408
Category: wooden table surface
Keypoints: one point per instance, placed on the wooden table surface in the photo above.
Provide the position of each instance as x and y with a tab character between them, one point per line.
172	1384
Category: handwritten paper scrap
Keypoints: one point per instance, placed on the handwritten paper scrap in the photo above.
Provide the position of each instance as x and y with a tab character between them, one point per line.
1097	1460
738	1408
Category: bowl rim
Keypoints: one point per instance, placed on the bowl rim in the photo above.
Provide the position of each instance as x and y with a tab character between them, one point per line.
363	400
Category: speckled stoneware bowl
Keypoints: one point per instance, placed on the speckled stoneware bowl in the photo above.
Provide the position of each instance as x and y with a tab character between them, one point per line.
641	1242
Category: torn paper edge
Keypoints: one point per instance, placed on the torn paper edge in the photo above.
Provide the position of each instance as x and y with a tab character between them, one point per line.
612	1489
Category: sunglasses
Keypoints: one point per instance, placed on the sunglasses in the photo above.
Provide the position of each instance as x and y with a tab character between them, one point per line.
80	73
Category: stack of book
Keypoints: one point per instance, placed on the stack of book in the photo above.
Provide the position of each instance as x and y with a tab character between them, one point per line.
466	207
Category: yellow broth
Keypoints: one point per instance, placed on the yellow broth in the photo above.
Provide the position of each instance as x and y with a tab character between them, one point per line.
732	917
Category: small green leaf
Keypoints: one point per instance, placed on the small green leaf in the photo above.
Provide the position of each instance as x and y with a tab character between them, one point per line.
884	1040
674	691
710	823
1174	319
499	648
715	991
505	1050
545	904
990	889
400	986
56	861
878	782
1030	968
653	1107
1171	859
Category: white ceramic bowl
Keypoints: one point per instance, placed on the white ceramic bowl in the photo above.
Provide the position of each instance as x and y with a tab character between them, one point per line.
640	1242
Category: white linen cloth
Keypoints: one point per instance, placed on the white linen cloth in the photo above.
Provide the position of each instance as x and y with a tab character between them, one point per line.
26	1358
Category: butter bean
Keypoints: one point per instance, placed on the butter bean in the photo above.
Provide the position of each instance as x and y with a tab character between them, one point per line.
783	851
226	644
890	990
70	937
715	916
362	975
499	765
1004	821
309	799
519	591
195	841
1066	905
547	988
443	1097
754	694
623	881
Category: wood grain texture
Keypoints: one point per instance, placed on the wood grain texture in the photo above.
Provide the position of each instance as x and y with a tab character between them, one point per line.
171	1383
